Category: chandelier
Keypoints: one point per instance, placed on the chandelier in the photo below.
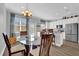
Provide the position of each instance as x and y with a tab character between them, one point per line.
27	12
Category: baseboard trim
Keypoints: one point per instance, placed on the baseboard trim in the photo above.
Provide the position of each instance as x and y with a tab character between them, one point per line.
3	51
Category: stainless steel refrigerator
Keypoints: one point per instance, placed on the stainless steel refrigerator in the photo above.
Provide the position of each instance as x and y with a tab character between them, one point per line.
71	32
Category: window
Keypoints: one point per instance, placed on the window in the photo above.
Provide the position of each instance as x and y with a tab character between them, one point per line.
17	24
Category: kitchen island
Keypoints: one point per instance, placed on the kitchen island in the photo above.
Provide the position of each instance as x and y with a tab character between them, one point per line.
59	37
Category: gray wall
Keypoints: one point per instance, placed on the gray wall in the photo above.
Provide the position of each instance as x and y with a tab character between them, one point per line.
8	22
2	27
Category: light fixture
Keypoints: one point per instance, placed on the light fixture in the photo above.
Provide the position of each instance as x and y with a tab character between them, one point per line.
27	12
65	8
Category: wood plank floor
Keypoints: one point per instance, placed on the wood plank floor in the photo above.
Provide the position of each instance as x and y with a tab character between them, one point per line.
68	49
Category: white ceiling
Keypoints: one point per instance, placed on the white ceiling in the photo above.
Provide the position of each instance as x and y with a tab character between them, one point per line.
46	11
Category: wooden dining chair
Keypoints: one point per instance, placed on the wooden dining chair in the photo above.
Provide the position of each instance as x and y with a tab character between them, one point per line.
51	31
15	48
44	49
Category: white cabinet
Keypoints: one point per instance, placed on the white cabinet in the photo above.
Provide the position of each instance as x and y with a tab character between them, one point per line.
59	39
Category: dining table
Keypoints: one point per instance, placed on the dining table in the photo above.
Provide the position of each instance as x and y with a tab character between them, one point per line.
29	45
32	44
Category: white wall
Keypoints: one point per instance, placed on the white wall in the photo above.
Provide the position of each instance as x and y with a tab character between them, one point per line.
63	22
2	27
52	25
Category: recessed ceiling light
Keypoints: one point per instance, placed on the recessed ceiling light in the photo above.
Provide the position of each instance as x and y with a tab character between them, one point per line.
65	8
22	7
56	13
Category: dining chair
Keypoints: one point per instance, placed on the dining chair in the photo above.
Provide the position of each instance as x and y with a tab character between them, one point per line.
51	31
23	35
12	49
44	48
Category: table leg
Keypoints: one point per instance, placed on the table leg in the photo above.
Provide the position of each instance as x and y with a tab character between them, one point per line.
27	49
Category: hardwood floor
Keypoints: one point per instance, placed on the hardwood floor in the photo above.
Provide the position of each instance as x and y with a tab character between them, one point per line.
68	49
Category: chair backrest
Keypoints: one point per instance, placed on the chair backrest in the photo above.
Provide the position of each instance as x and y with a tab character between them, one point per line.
50	30
46	41
23	33
7	41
